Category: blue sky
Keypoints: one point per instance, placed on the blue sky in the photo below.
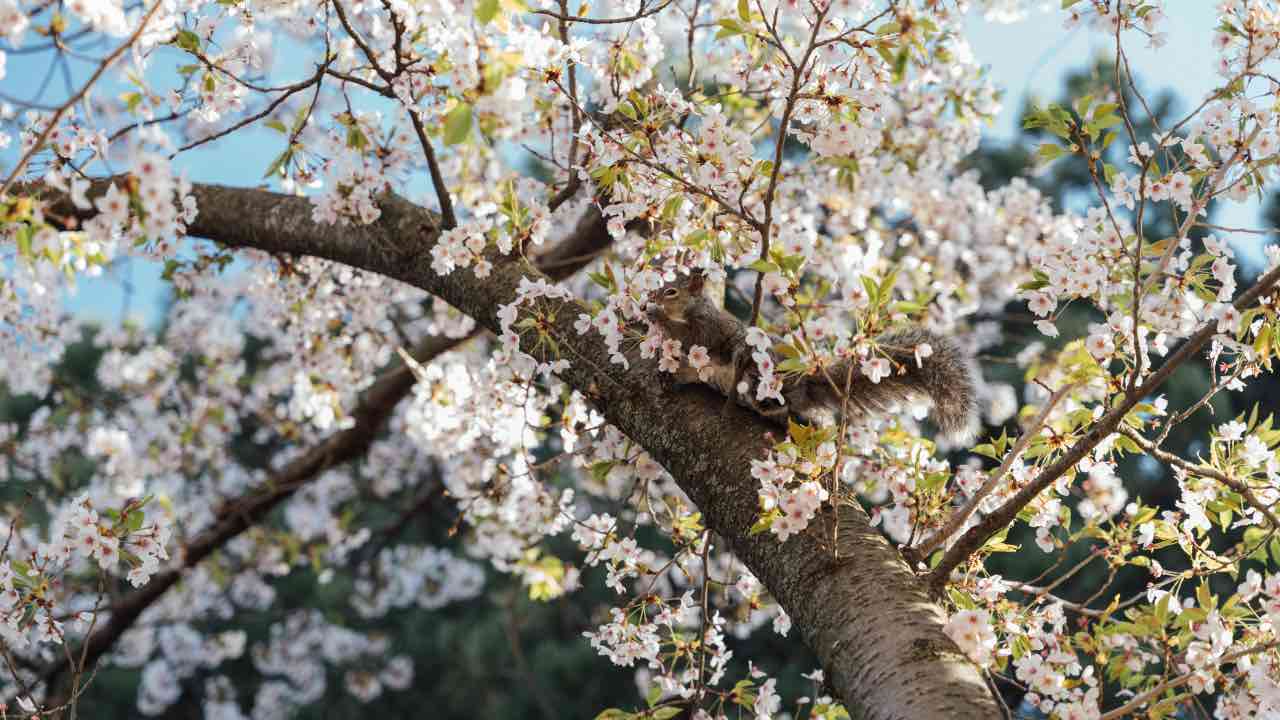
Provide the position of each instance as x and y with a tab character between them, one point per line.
1031	56
1028	57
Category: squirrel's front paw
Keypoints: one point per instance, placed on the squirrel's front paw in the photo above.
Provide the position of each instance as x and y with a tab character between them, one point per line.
654	312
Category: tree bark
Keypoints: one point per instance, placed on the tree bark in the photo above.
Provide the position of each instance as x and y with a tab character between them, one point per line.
866	615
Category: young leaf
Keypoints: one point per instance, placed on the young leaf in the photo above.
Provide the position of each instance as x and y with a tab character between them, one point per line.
188	41
487	10
457	124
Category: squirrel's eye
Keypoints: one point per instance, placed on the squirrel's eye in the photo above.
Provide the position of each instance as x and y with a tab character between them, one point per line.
670	292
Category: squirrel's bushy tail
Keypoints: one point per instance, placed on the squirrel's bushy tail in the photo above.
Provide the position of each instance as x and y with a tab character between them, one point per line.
946	377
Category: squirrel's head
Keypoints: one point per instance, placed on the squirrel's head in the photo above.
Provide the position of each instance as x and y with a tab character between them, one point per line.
673	297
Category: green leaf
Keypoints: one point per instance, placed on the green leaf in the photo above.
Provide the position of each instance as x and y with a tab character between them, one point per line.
882	49
1102	123
600	470
795	364
763	266
356	138
276	125
1162	608
1049	152
728	28
457	124
24	241
277	165
900	64
1105	109
1204	599
300	119
1082	105
887	282
792	263
873	290
744	10
188	41
764	523
672	207
665	713
170	266
487	10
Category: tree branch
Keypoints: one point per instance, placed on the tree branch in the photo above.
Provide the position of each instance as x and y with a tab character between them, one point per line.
57	115
589	237
1004	516
866	616
1239	486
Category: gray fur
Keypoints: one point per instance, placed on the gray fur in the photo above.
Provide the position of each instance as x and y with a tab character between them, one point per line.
947	377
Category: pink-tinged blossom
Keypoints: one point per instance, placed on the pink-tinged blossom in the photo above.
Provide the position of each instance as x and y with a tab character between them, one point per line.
876	369
972	631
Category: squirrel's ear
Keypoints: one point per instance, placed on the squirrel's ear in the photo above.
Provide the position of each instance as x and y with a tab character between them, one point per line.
697	279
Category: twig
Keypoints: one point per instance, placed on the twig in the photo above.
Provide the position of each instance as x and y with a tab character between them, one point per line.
961	516
1203	471
1179	681
289	92
642	13
84	89
447	217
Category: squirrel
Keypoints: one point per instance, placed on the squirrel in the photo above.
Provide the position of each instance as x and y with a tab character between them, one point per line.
685	311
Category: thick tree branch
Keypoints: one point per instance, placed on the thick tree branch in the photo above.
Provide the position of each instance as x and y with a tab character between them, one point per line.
589	237
866	616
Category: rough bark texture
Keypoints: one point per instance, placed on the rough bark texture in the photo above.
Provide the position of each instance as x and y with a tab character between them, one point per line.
865	615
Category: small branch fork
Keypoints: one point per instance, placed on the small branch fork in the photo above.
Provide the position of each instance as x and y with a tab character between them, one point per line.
1005	515
107	62
962	515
